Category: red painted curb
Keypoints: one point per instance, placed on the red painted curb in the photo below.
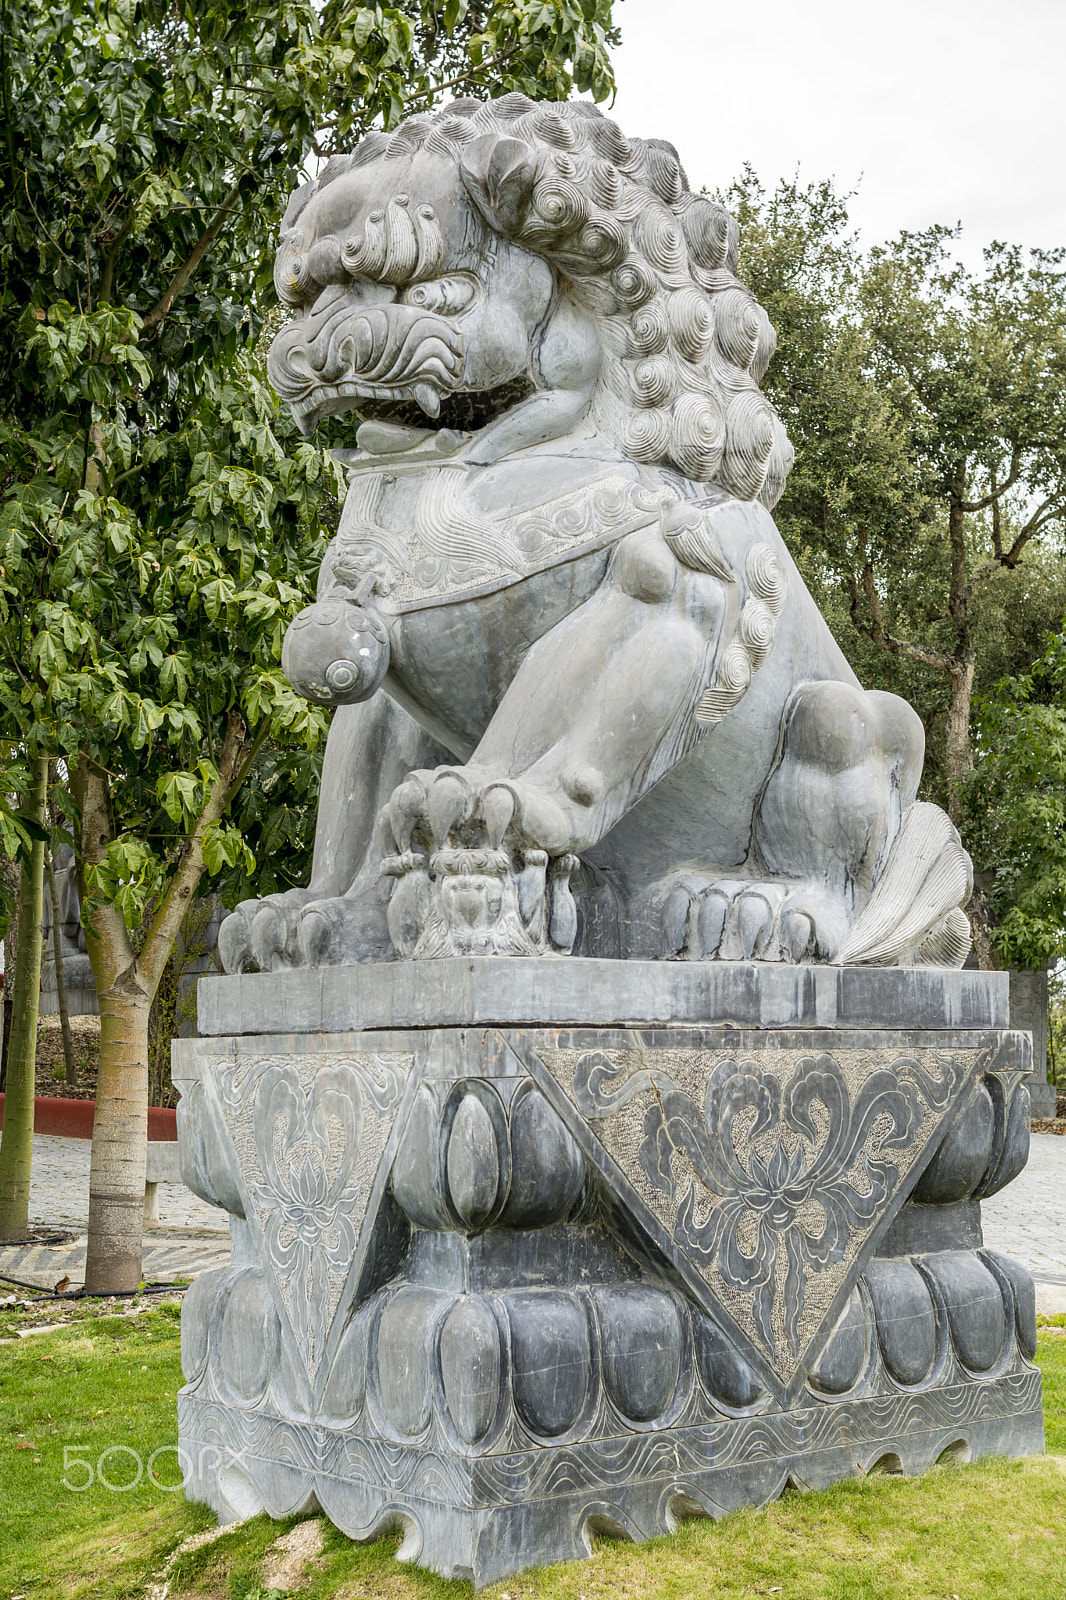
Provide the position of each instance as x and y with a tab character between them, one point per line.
73	1119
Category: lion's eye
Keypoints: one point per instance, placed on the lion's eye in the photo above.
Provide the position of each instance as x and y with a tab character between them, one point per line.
448	296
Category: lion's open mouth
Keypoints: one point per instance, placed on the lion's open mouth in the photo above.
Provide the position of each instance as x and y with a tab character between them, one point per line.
344	352
387	362
461	411
326	400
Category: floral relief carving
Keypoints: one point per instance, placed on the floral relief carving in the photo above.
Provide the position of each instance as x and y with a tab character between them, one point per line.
768	1179
310	1135
453	545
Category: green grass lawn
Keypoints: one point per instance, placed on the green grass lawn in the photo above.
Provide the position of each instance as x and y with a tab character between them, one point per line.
106	1383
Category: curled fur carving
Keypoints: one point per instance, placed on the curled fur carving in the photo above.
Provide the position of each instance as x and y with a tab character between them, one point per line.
652	265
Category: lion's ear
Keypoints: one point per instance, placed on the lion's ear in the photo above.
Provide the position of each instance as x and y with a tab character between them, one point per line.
499	175
297	201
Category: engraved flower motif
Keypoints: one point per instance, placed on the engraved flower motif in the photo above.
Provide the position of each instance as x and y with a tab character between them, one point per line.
306	1141
784	1172
768	1181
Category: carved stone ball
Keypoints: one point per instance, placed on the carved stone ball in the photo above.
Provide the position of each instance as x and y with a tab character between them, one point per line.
335	652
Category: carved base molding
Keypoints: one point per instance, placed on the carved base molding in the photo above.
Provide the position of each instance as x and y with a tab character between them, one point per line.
485	1519
507	1285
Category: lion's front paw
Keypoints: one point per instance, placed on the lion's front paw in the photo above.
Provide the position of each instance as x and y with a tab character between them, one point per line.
304	928
744	919
344	930
259	936
480	866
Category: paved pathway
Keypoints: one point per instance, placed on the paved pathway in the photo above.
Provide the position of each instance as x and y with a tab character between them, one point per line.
59	1191
191	1236
1027	1220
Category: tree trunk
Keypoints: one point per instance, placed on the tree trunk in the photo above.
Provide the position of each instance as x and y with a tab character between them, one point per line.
958	755
12	879
9	979
61	982
126	984
16	1143
120	1135
120	1123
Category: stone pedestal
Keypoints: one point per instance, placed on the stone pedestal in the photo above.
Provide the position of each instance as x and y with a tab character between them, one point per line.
524	1248
82	999
1029	1011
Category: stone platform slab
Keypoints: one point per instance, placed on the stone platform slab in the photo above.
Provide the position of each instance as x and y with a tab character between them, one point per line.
458	992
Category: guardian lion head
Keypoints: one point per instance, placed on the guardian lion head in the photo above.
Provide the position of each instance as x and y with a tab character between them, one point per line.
504	249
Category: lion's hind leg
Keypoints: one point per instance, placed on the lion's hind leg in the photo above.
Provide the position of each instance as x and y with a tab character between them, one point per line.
840	812
845	866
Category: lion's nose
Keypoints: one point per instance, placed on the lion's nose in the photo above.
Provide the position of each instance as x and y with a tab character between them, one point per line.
354	294
334	305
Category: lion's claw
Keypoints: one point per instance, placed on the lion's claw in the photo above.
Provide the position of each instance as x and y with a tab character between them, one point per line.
235	943
302	929
742	920
480	865
313	936
269	937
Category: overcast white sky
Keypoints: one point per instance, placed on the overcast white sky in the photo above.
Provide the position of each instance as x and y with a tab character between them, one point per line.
948	110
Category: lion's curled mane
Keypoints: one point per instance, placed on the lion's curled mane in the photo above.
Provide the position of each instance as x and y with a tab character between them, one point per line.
650	263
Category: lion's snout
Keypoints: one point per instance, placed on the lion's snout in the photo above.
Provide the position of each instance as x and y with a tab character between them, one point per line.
381	351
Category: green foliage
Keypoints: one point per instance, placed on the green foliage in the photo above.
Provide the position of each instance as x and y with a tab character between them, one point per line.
1016	801
160	520
909	386
276	811
18	826
927	505
1056	1026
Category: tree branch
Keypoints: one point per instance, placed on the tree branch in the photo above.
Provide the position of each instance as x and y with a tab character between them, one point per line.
1009	558
465	76
185	272
878	634
992	498
997	523
107	279
1040	517
157	947
53	242
110	950
912	375
246	765
958	599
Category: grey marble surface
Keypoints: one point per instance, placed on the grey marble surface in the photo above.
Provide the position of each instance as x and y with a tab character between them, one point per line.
584	701
465	991
502	1282
677	1202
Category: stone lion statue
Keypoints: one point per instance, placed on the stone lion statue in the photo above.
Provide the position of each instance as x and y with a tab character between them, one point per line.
584	702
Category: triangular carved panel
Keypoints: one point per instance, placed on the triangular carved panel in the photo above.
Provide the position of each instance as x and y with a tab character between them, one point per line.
310	1133
765	1176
